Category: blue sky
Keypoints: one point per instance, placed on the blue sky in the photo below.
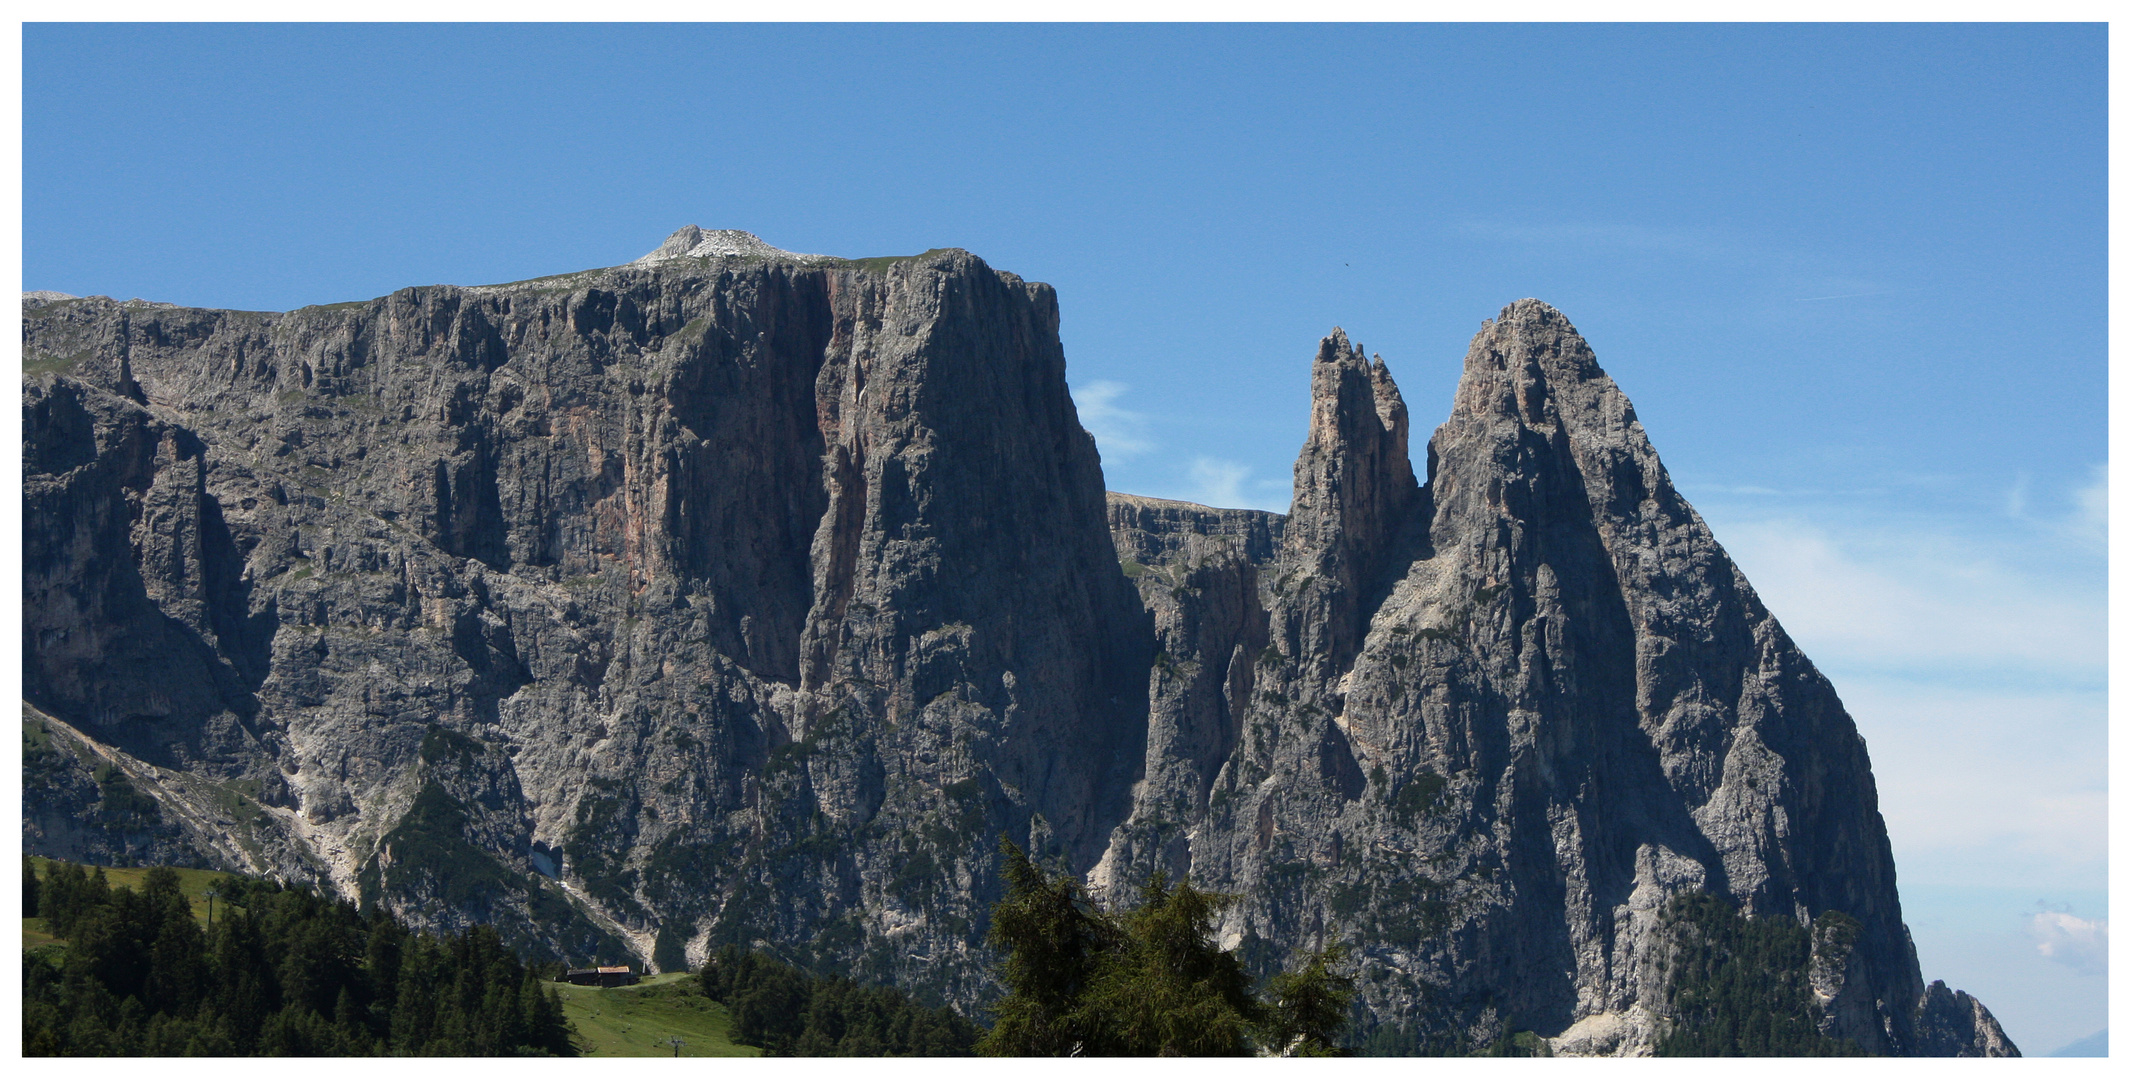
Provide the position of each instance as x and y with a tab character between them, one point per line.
1853	278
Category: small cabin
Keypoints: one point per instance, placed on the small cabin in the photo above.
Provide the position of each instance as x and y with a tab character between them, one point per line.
615	975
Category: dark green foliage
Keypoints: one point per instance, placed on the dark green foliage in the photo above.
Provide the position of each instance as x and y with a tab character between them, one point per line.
29	890
121	805
1148	982
1418	796
603	827
1517	1044
788	1012
1306	1009
283	972
1166	989
1741	986
443	744
669	950
431	839
1053	938
1412	1040
67	893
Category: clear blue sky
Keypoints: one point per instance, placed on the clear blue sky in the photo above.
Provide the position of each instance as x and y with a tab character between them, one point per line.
1853	278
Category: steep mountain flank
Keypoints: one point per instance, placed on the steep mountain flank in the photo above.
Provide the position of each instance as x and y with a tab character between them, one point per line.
741	597
706	600
1504	716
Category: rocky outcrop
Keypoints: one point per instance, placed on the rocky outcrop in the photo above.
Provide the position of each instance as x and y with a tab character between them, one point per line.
1508	715
1149	531
1949	1023
705	586
737	596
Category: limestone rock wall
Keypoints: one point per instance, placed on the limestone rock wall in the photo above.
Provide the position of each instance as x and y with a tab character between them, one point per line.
718	599
1508	713
734	596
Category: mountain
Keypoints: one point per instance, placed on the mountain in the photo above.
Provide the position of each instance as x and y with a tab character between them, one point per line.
736	596
2095	1045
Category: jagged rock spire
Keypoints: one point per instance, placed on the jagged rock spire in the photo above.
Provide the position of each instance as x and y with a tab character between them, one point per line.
1354	492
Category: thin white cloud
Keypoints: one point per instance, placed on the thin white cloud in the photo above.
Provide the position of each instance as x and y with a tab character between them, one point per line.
2003	787
1276	494
1119	433
2079	944
2016	499
2089	522
1216	482
1917	603
1977	675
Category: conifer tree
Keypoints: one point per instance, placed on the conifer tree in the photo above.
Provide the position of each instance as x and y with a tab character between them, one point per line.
1146	982
1053	938
1307	1008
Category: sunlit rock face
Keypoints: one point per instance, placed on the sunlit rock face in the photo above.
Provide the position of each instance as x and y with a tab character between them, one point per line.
740	596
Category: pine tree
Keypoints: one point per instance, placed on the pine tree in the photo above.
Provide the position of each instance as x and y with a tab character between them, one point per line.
1307	1008
1146	982
1167	990
1053	939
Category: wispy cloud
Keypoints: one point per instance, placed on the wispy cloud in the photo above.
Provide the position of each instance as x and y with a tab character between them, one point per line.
1987	787
2016	499
2079	944
2080	514
1216	482
1977	675
1119	433
1916	603
1700	243
2089	522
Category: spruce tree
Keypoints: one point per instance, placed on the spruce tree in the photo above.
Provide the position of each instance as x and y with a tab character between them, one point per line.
1166	990
1308	1008
1054	939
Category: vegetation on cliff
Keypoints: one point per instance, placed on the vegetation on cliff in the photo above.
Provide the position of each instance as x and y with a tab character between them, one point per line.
1741	986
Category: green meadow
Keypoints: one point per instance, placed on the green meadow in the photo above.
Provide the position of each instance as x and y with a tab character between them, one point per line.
637	1021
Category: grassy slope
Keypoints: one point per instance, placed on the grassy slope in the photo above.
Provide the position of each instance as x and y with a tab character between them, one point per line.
194	883
635	1021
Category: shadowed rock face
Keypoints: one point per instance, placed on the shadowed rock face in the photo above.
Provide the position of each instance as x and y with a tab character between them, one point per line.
733	596
754	598
1505	715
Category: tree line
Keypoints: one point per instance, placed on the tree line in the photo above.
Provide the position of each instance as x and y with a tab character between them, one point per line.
282	972
788	1012
1144	982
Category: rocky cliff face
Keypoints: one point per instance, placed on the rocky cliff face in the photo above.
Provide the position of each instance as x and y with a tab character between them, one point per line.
1501	717
735	596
